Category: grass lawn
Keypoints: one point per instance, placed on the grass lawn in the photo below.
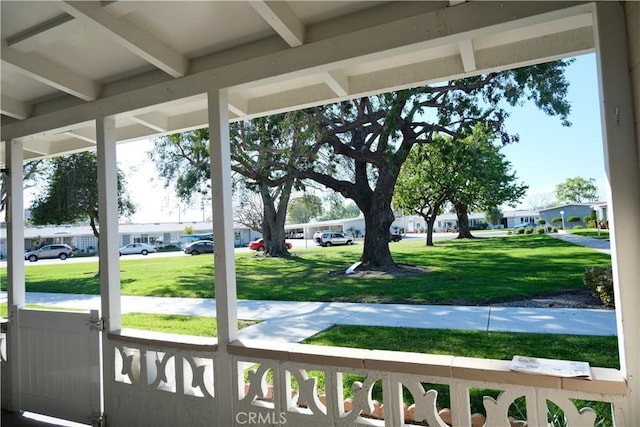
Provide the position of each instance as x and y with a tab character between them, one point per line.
591	232
475	272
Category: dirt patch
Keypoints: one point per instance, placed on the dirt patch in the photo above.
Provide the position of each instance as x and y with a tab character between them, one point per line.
401	270
580	298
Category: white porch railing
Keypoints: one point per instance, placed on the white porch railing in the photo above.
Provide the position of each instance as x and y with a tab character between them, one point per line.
161	380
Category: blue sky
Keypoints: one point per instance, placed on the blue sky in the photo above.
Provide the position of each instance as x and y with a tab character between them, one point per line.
547	154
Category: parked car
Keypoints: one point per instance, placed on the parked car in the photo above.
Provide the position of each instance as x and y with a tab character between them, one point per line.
199	247
258	245
526	224
395	237
137	248
330	238
61	251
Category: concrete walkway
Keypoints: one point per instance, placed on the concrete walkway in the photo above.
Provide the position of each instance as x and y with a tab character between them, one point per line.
600	245
290	321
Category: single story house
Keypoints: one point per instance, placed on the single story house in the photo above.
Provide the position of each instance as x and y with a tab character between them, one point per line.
563	212
81	236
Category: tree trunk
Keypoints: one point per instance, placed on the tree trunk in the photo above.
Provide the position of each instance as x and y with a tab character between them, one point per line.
430	220
376	254
274	219
463	222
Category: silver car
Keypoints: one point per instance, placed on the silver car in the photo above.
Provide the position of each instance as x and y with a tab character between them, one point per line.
61	251
330	238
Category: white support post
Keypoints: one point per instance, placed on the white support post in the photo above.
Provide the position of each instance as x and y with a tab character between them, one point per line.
109	261
623	171
225	273
15	266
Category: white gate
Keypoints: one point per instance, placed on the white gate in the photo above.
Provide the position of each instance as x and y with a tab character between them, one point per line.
60	369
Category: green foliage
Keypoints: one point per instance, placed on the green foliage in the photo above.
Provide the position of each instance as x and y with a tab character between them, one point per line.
573	218
493	215
188	229
71	193
577	190
577	227
540	230
542	221
600	281
519	230
556	219
304	209
528	230
339	208
586	219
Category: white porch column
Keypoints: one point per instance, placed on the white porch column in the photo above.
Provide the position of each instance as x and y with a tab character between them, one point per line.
109	261
15	265
225	273
623	171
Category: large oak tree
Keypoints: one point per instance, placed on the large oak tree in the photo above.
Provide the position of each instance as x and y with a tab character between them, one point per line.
361	144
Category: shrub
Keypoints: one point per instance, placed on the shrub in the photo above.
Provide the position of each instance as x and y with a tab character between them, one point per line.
509	233
556	219
550	229
540	230
600	281
573	218
586	219
555	230
519	230
528	230
577	227
542	221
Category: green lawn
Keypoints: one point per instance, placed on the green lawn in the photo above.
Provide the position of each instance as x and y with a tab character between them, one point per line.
475	272
591	232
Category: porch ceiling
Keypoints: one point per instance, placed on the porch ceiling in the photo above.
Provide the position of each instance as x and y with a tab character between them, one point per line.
150	64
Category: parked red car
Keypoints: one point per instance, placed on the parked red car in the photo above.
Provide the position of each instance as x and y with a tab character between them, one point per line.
258	245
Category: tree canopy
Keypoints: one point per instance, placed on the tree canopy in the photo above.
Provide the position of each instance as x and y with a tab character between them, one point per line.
71	193
469	172
577	190
305	208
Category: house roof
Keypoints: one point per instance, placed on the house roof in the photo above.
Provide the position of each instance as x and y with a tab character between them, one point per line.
150	64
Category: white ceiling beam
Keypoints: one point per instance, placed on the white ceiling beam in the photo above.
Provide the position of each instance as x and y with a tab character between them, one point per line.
156	121
238	105
338	81
467	54
42	34
129	35
14	108
83	135
50	73
416	33
281	18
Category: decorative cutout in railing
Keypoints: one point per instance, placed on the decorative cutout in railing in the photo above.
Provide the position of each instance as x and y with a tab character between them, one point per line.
174	371
315	395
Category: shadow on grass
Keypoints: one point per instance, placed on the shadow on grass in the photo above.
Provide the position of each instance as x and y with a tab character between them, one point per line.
465	272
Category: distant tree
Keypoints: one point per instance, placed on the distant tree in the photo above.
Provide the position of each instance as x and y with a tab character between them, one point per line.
427	179
32	172
493	215
71	193
262	151
303	209
485	179
188	229
339	208
538	201
577	190
247	207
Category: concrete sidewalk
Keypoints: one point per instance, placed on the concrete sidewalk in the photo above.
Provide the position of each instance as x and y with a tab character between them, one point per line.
600	245
290	321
